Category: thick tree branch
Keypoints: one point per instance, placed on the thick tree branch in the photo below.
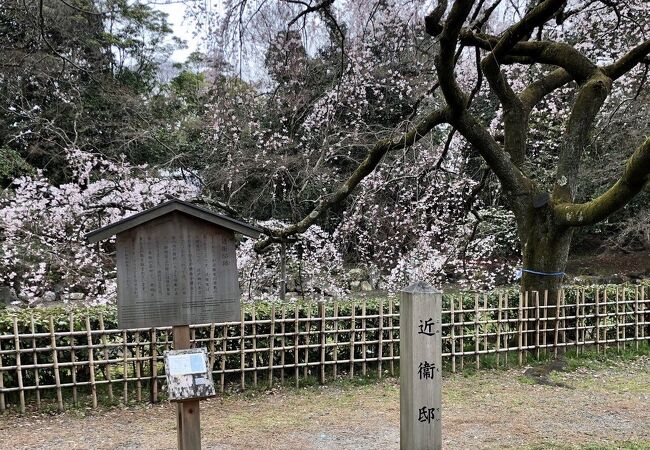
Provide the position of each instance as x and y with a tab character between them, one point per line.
536	17
589	100
628	61
515	121
536	91
514	182
364	169
543	52
635	176
445	60
515	116
559	77
432	21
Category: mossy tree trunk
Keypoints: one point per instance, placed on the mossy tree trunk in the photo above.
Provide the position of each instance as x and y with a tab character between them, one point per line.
544	250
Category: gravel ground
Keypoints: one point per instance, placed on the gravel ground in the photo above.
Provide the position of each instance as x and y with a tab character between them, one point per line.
608	405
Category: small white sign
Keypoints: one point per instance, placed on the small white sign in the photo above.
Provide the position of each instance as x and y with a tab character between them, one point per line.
187	364
188	374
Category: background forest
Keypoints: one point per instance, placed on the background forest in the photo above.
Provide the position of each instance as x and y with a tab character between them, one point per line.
280	105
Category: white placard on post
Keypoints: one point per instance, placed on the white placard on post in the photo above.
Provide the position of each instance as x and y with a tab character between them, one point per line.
188	374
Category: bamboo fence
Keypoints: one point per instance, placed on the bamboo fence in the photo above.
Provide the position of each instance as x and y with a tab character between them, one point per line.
282	343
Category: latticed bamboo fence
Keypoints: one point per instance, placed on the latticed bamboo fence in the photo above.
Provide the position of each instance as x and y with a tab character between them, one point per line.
77	359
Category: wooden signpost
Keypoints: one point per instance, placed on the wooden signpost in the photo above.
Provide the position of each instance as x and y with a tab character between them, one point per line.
176	266
420	368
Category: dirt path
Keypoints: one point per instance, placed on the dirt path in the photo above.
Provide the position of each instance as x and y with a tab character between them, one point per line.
494	409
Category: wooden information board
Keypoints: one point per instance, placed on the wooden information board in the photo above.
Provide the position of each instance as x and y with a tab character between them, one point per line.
176	270
176	265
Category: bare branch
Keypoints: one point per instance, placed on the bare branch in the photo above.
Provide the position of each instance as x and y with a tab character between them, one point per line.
310	9
364	169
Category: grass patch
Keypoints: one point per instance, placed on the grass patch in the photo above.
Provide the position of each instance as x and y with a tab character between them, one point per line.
596	360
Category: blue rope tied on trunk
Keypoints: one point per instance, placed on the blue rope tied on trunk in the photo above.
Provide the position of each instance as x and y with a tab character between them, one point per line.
520	272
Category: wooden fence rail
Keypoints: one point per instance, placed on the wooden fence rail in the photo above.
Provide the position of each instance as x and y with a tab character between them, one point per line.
276	343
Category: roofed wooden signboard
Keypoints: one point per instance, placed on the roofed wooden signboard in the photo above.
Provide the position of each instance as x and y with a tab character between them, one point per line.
176	265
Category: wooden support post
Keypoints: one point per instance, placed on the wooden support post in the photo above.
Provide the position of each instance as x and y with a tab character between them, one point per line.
477	340
305	370
364	338
321	313
564	308
643	313
525	324
154	366
3	404
636	318
520	329
461	308
242	350
335	355
617	322
35	362
452	336
19	370
125	366
283	342
606	321
55	366
212	345
577	323
380	337
545	317
506	338
107	367
254	314
353	322
188	420
271	346
391	352
597	319
138	368
91	361
296	344
537	324
486	327
624	302
420	368
499	301
73	367
224	355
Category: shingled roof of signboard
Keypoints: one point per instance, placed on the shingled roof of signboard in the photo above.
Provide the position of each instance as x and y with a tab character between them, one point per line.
168	207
